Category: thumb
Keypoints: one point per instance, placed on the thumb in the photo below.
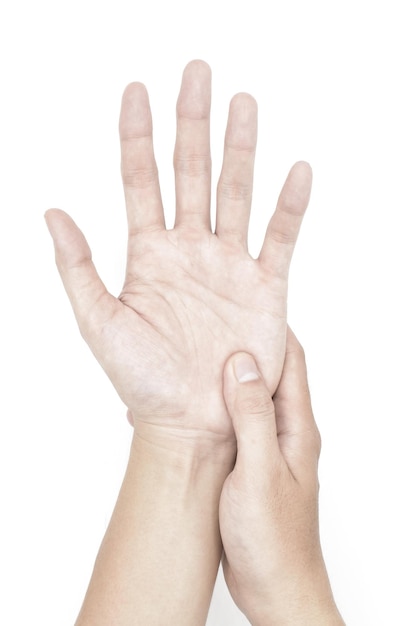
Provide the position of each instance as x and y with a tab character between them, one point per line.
79	276
251	409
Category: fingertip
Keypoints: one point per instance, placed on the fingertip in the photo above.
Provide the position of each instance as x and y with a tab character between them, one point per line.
294	374
195	94
244	368
70	244
135	117
57	222
49	213
293	387
304	167
242	126
300	181
244	100
295	194
198	66
294	346
134	89
47	217
301	175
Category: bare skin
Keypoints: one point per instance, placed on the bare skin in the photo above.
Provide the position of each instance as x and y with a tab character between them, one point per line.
273	562
191	296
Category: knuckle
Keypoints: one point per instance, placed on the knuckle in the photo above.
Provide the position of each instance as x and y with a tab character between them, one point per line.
139	177
255	403
283	236
313	439
235	191
193	165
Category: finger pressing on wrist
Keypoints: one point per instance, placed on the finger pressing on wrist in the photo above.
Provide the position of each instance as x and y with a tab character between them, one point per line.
251	409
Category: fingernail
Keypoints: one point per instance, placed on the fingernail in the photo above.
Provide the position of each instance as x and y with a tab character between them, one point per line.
245	369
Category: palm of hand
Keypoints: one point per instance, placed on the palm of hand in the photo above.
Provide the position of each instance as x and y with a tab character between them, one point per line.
191	297
197	301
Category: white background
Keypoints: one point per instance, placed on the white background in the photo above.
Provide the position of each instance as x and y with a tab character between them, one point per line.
336	85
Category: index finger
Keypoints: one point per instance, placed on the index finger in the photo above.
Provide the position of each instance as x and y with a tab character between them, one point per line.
138	166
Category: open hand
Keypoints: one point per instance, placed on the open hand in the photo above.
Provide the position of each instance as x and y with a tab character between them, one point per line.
191	296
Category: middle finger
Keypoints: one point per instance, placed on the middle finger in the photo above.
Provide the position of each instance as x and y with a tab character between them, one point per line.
192	160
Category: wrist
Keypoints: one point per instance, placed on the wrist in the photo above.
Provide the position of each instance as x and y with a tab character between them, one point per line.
194	468
186	448
181	485
162	547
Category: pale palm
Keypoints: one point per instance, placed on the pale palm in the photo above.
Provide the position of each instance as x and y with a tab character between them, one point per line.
191	297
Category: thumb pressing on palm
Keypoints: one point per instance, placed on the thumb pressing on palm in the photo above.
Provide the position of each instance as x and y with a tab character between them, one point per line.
252	411
276	433
268	513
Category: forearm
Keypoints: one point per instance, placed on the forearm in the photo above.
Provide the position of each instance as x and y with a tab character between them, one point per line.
159	558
